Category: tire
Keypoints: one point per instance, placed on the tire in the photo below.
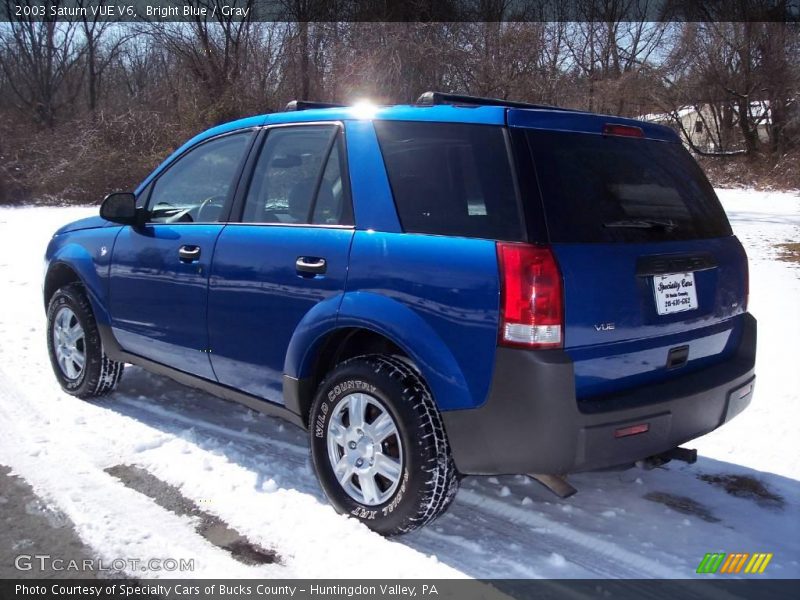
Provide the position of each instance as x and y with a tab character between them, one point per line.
422	479
69	310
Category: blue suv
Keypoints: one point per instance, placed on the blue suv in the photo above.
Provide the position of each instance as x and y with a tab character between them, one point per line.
461	286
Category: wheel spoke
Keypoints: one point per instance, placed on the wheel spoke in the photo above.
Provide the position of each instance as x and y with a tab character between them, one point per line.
74	334
67	335
71	372
388	467
382	427
337	430
369	488
356	409
343	471
79	360
60	324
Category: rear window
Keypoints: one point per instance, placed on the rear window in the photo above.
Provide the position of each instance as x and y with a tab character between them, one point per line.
614	189
451	179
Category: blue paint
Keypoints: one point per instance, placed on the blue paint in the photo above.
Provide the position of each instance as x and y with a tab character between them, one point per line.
601	286
243	316
158	303
257	299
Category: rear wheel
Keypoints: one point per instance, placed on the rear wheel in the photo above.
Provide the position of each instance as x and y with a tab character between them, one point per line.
379	447
76	350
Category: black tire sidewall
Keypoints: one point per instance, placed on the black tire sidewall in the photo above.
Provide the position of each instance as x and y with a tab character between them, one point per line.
403	506
85	384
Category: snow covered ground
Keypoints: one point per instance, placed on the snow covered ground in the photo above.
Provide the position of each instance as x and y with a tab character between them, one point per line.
253	472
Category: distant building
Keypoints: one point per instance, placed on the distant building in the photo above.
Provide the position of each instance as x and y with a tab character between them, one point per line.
714	128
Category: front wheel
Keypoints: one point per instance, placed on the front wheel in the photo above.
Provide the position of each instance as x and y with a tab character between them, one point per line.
379	447
76	351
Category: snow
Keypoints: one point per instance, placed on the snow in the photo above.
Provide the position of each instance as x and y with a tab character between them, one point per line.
253	472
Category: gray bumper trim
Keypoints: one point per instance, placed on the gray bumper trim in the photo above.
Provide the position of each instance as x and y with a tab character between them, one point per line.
532	423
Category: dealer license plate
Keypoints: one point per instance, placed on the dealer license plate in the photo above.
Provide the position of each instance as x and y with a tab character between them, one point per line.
674	293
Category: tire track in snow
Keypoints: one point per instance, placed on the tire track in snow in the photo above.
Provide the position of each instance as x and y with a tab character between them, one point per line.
605	558
229	432
305	531
114	520
596	556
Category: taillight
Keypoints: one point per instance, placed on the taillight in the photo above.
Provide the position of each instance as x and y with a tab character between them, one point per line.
622	130
746	283
531	300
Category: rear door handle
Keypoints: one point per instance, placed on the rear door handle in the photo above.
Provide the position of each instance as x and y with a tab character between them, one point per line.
310	265
189	253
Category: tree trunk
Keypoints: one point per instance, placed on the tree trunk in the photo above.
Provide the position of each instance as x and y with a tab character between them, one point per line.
305	76
92	75
749	132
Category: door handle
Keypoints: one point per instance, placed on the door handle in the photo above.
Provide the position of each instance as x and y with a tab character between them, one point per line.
311	265
189	253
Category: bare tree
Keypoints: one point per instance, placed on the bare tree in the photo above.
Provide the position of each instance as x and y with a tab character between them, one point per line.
215	52
743	73
39	57
612	51
95	28
145	87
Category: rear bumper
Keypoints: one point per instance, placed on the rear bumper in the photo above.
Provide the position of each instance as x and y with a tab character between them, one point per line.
532	422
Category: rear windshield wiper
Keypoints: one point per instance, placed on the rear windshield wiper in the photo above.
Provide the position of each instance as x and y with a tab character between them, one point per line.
641	224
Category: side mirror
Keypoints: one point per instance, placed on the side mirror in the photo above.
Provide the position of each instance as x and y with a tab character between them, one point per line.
119	207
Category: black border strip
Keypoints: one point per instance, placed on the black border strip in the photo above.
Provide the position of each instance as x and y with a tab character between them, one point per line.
405	11
398	589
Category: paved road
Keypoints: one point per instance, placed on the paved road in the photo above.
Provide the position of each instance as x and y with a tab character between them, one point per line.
29	527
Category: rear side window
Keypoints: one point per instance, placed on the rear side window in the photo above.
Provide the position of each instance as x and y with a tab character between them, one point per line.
451	179
614	189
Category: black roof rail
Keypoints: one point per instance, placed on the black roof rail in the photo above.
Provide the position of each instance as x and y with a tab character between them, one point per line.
308	104
434	98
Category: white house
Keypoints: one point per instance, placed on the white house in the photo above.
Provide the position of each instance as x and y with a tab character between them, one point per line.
714	127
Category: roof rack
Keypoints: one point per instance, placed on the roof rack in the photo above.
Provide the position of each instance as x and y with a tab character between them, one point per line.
307	104
434	98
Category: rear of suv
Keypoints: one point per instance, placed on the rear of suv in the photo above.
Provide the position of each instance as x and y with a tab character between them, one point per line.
464	286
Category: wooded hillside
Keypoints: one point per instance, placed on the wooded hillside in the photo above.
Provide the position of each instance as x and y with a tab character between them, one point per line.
91	106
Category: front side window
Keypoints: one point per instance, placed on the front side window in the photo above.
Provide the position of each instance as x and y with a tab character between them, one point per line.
298	178
195	188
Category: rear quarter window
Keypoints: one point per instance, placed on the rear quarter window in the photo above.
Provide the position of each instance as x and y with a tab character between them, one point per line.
598	188
451	179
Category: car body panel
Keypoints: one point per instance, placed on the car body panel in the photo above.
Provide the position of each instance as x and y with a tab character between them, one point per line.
373	205
87	252
85	223
405	327
612	329
157	301
451	285
257	298
585	123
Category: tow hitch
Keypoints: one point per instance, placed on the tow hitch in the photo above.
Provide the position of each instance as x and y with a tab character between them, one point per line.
687	455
